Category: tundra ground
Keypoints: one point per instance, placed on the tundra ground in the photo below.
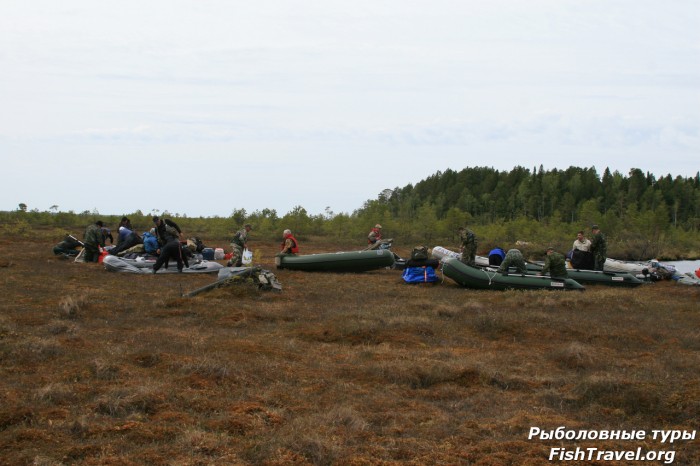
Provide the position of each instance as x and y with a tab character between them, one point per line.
106	368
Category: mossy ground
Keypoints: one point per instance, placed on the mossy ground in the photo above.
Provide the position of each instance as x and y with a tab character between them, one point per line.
106	368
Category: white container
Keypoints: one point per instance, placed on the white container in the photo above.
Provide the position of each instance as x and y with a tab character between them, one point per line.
218	254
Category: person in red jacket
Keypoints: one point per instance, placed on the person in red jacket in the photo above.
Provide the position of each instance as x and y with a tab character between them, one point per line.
290	245
374	239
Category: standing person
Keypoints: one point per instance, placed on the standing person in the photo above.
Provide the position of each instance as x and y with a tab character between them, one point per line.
238	244
581	243
166	230
554	264
581	255
468	245
599	248
93	240
168	234
374	238
514	259
290	245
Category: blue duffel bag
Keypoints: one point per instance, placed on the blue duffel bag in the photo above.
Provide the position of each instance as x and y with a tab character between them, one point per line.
424	274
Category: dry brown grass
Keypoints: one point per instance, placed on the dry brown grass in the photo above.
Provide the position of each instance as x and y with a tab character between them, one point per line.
103	368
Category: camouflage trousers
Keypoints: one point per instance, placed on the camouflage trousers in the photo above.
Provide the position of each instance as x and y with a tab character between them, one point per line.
599	263
236	255
92	253
469	256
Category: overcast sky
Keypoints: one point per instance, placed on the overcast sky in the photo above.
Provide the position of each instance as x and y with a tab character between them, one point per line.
203	107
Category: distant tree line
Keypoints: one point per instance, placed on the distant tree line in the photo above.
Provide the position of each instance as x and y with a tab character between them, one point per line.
488	195
642	215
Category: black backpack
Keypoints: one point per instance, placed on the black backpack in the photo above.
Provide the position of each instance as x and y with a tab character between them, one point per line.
419	253
198	243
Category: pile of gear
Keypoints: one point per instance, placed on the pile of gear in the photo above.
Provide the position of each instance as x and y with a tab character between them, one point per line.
420	268
257	276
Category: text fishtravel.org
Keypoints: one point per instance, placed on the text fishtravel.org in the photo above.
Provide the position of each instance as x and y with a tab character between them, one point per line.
596	454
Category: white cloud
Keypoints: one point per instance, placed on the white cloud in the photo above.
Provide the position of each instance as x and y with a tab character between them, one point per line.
315	89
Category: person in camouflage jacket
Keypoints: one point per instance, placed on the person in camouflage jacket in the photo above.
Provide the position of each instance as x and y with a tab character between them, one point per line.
514	259
468	243
554	264
238	244
599	248
93	241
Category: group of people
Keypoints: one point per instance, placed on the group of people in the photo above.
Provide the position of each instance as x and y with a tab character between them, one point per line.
585	254
165	241
554	263
239	243
162	240
590	254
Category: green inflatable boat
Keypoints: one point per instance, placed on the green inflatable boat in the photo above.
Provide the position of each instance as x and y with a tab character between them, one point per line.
593	277
474	277
352	261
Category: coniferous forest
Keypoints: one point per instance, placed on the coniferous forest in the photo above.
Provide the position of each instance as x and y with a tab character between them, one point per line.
643	215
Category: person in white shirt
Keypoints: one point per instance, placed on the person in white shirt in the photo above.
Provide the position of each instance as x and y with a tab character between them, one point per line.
582	243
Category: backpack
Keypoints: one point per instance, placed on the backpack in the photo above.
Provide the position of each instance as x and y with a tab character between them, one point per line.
419	252
195	244
171	233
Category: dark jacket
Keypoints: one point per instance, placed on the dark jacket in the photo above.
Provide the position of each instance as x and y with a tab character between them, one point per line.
167	230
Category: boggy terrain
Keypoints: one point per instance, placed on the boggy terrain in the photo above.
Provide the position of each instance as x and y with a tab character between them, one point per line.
106	368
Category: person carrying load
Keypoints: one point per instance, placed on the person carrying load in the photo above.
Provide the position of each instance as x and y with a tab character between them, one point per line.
238	244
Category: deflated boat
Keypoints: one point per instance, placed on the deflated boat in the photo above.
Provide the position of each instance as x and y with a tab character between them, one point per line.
351	261
633	267
480	278
438	252
117	264
687	279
